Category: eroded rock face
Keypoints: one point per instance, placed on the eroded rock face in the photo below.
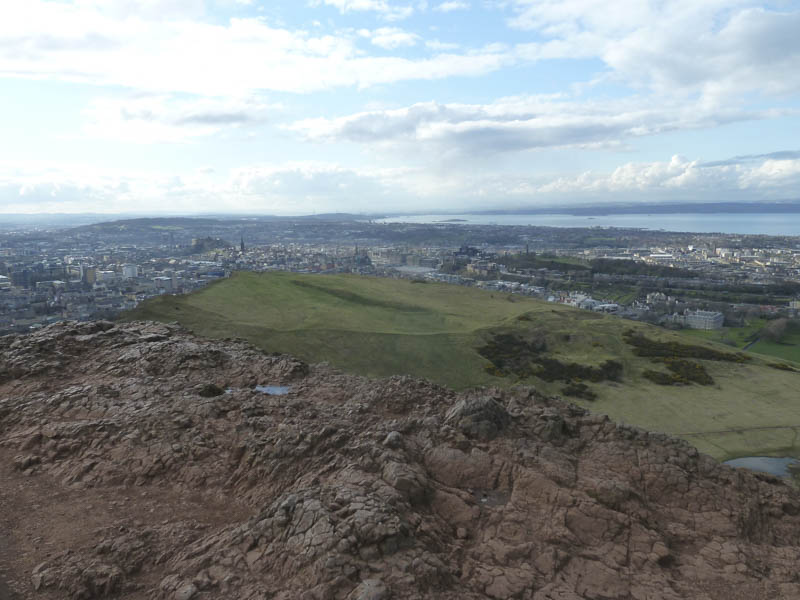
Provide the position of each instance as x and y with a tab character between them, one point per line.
139	462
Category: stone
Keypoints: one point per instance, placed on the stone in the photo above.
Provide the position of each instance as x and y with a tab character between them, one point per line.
209	390
482	417
185	592
370	589
393	439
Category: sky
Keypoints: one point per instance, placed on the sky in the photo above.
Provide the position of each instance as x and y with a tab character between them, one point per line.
376	106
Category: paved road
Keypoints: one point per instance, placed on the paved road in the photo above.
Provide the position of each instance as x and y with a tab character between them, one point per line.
747	347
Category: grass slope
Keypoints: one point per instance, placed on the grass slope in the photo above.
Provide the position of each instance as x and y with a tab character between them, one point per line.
787	349
380	327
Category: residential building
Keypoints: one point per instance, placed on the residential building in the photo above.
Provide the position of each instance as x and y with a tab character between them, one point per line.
704	319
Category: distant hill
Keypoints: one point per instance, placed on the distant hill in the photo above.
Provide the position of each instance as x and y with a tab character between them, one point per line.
207	244
195	222
725	402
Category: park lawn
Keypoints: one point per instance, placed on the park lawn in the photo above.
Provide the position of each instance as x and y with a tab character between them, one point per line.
737	337
787	349
380	327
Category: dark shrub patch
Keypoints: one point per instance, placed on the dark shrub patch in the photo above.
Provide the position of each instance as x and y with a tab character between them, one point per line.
579	390
551	369
494	371
683	372
510	354
688	370
653	348
781	366
660	378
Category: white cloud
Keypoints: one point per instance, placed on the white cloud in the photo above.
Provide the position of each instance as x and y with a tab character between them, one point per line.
148	9
680	179
389	11
718	48
150	119
306	187
452	5
439	46
286	189
390	38
59	41
515	124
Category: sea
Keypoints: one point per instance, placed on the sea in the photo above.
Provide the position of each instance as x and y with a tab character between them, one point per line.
780	224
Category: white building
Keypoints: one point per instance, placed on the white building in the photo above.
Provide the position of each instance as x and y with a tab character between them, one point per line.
705	319
103	276
164	283
130	271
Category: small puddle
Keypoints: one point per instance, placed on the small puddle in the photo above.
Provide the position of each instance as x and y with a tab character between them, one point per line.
784	466
491	498
273	390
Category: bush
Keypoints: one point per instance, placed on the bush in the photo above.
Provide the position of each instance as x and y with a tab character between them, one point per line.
683	372
646	347
660	377
781	366
775	330
579	390
689	371
510	354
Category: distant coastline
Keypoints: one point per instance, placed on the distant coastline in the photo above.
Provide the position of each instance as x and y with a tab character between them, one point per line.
638	208
728	208
745	223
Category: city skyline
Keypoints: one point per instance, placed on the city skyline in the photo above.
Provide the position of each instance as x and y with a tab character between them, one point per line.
241	106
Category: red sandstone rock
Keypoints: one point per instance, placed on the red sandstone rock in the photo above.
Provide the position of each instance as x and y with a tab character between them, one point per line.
127	474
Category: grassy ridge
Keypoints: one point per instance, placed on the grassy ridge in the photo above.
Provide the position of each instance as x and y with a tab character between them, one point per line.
380	327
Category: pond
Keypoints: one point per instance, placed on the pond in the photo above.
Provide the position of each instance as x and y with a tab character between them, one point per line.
273	390
779	466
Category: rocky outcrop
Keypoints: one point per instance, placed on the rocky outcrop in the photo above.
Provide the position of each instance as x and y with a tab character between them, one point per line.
140	462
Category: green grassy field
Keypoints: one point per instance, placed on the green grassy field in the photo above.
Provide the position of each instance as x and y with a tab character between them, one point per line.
787	349
737	337
380	327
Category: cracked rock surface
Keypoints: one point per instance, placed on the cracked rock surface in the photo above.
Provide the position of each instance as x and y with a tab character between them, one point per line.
138	461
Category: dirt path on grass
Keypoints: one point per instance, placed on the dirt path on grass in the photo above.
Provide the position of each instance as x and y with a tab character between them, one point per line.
737	430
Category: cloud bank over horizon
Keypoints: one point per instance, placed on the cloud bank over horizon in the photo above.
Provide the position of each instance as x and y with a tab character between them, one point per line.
377	106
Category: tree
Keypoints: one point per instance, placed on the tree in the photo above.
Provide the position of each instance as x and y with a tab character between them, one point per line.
775	330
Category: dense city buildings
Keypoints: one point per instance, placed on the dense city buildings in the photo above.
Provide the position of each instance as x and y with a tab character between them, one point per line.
675	279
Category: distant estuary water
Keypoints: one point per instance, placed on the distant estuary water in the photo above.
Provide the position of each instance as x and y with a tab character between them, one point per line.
745	223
